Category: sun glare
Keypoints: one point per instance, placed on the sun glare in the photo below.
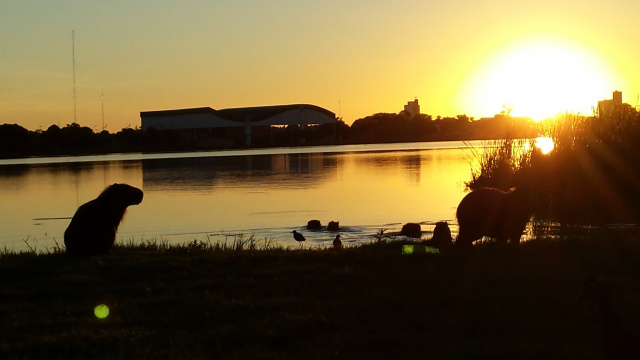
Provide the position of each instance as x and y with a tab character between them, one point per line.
540	79
545	144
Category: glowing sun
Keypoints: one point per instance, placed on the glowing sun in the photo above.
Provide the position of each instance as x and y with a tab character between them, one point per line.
545	144
540	78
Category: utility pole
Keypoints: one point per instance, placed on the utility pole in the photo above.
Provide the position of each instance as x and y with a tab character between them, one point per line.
73	55
102	96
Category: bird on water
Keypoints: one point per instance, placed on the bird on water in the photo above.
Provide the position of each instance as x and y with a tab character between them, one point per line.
618	342
298	237
337	244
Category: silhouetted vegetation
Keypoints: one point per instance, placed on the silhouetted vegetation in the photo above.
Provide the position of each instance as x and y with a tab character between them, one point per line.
381	128
74	139
592	174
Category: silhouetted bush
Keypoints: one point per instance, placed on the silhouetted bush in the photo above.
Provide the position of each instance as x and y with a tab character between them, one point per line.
591	174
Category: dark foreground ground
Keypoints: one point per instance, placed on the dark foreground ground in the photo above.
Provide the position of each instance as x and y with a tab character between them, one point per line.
369	302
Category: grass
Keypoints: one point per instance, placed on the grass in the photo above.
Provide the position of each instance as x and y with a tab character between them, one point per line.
370	301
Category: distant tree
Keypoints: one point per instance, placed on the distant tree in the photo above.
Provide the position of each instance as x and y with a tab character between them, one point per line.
76	138
14	139
130	139
464	118
384	127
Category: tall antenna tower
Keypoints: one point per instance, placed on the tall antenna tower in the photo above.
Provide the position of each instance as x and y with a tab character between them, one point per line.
73	55
102	95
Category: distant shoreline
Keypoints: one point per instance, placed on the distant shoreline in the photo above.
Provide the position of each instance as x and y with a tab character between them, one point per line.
76	140
132	156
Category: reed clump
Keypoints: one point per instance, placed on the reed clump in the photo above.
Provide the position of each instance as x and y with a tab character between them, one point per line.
591	174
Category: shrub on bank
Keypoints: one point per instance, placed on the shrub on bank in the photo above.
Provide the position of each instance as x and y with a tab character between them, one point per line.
591	174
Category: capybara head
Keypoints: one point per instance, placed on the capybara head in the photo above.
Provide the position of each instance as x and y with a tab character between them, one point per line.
122	195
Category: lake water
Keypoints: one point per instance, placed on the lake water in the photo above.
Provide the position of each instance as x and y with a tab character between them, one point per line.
224	195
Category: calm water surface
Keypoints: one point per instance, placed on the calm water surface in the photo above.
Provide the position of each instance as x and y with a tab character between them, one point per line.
217	196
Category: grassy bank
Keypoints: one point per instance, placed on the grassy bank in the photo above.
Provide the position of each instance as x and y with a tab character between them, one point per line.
368	302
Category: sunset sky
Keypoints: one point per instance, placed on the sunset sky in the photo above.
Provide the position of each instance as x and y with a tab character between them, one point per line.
355	58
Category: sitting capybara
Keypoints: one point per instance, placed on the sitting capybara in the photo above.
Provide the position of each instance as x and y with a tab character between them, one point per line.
314	225
441	235
411	230
333	226
502	215
93	228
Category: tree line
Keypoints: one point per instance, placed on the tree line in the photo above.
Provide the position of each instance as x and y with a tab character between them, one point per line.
74	139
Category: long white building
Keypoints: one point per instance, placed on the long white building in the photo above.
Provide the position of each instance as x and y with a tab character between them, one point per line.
206	117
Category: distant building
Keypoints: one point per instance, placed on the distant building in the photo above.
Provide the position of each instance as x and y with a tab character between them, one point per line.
614	106
249	117
412	108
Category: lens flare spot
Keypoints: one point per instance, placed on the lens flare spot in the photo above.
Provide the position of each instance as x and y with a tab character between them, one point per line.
101	311
411	249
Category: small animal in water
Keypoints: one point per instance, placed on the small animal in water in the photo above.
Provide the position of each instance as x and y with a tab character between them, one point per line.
337	244
314	225
298	237
618	342
333	226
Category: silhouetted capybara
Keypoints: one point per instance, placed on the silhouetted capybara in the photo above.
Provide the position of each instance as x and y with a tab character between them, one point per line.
502	215
314	225
441	235
93	228
411	230
333	226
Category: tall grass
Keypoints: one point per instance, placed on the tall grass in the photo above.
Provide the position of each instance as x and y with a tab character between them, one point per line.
231	242
591	174
500	162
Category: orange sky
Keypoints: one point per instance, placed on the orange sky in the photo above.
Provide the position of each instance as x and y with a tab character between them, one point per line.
354	58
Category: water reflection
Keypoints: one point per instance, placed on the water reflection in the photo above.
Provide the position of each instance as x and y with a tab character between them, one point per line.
409	161
259	171
268	195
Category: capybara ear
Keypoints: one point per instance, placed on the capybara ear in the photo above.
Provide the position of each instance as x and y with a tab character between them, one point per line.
93	228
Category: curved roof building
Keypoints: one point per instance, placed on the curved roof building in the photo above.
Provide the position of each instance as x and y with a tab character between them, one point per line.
206	117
